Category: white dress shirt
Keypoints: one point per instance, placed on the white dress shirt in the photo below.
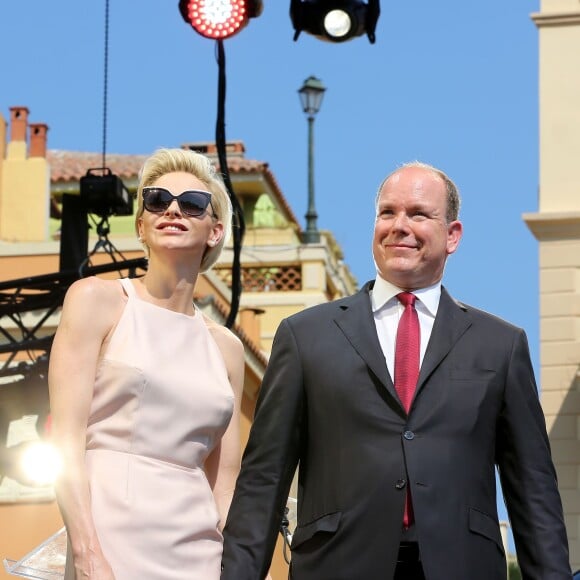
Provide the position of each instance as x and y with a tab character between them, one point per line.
387	311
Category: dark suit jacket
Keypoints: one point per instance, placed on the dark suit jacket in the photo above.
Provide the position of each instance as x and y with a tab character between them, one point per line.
328	402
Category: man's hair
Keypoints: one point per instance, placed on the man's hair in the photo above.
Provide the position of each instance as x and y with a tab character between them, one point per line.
165	161
453	199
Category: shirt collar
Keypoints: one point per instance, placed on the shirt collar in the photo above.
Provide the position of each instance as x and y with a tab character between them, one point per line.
383	291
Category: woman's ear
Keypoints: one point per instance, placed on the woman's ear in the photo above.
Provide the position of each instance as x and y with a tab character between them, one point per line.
216	235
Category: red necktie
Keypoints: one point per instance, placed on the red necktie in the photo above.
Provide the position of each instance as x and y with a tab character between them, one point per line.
407	353
407	350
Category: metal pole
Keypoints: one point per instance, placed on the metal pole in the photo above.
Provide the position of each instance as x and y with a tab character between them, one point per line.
311	235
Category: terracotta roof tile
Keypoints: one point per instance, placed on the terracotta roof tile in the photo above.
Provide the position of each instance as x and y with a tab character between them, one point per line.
70	166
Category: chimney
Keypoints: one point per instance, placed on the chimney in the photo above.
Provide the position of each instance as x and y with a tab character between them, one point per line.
18	123
38	139
250	323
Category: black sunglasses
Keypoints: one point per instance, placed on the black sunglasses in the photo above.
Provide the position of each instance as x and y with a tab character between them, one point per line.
192	203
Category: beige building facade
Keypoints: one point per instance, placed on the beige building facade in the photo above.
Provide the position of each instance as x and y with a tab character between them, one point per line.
556	226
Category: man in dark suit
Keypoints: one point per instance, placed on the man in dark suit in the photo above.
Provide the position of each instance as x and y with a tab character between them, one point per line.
393	483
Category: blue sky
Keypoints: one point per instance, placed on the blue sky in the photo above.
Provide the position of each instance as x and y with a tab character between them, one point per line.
449	83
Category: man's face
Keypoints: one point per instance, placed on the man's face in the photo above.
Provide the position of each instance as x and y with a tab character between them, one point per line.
412	238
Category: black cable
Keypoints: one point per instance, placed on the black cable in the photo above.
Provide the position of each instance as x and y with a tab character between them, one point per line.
238	222
105	84
285	535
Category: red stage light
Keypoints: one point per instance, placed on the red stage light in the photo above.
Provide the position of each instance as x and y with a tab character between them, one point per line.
216	19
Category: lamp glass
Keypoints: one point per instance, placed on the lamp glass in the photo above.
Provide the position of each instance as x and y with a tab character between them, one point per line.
217	12
337	23
311	94
40	463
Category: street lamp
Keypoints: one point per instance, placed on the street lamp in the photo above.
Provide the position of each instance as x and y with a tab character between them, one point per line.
311	94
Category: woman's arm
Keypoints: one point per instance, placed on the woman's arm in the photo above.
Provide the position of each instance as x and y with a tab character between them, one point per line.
223	464
91	308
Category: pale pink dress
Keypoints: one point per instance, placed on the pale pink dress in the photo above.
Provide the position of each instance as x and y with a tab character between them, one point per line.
162	401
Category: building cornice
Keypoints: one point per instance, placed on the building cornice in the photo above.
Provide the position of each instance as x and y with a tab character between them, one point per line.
555	18
554	225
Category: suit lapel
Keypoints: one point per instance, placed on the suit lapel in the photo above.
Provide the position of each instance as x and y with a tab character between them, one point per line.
355	320
450	324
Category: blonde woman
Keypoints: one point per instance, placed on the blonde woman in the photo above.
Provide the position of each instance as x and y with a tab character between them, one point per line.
145	394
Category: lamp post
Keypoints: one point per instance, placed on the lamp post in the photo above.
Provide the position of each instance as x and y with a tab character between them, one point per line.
311	94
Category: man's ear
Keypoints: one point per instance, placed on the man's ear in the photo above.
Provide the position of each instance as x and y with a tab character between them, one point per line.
454	233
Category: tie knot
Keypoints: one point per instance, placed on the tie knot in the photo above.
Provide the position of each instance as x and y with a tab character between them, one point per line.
406	298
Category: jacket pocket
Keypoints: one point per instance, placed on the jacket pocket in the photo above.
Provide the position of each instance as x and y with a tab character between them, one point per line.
485	525
326	523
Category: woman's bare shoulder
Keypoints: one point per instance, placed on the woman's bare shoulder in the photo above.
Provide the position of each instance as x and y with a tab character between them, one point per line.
94	289
94	300
232	349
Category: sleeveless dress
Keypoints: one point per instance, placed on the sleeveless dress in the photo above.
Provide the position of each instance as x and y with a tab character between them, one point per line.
162	400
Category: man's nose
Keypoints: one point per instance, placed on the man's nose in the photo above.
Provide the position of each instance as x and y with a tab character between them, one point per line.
401	221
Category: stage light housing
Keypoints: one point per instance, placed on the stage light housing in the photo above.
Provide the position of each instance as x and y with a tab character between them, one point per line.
104	193
335	20
219	19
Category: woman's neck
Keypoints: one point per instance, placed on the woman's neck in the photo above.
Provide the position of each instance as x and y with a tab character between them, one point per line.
170	289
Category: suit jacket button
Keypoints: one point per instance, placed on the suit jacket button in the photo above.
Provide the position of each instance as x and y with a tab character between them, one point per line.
401	483
409	435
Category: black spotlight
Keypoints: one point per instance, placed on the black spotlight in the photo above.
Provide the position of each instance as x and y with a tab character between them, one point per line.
335	20
104	193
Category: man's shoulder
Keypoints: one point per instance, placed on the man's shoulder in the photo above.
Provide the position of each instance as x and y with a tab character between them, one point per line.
481	316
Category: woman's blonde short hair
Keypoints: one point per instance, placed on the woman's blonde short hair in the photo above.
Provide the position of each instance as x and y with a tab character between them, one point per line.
165	161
